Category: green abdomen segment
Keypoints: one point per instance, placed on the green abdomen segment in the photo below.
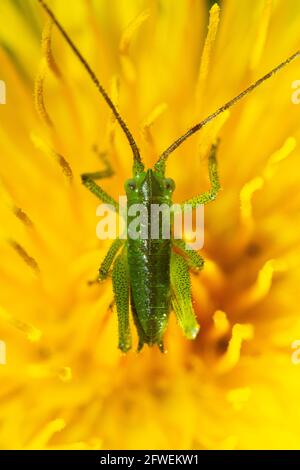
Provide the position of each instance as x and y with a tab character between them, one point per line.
149	271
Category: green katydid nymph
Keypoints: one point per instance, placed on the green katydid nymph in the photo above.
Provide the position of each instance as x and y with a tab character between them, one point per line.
151	276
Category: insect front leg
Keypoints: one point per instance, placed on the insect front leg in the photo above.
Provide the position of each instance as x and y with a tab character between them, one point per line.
88	179
182	297
211	194
194	260
108	171
121	285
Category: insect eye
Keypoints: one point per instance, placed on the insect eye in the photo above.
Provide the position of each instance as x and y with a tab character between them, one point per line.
131	185
169	184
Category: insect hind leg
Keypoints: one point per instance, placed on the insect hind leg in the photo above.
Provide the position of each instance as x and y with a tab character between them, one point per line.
120	279
140	331
182	297
195	261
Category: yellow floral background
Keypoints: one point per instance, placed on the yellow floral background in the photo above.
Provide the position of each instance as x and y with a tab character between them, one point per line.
166	65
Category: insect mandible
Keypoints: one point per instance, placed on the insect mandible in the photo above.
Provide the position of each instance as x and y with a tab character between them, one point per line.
152	275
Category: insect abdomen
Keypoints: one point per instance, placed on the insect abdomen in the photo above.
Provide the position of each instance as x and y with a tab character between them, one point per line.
149	256
149	270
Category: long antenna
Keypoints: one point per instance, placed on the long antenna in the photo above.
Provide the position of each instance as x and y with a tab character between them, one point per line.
163	157
138	165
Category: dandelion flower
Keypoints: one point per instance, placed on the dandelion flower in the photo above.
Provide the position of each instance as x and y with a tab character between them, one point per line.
166	64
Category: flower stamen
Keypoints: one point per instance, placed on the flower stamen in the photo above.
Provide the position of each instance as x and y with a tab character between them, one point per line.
29	260
127	36
281	154
39	94
231	357
33	334
63	163
47	48
262	33
156	112
214	19
42	438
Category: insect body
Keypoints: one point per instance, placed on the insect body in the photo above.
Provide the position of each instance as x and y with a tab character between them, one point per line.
149	261
147	272
152	274
153	281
